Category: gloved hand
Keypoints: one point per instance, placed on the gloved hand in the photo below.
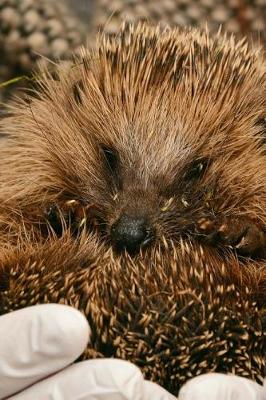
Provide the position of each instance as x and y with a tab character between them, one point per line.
38	344
214	386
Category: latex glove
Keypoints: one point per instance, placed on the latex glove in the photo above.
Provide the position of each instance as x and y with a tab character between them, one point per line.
221	387
39	341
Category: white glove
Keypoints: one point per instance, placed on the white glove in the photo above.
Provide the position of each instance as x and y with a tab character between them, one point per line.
215	386
40	341
36	343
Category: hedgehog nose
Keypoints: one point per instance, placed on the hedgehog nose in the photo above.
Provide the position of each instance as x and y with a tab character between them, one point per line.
130	233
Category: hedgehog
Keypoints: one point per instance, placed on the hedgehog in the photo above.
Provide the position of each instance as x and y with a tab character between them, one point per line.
133	188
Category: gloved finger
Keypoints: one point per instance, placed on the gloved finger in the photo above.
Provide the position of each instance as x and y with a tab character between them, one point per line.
101	379
38	341
216	386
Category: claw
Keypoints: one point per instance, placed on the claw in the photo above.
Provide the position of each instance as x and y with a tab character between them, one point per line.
243	235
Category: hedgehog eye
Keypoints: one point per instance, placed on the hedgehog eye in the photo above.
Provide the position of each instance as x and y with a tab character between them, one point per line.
196	169
112	162
110	158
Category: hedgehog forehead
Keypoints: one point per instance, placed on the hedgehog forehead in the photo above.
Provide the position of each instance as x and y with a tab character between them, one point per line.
158	131
154	151
160	127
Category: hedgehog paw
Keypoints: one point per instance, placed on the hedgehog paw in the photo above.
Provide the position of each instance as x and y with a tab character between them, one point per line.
71	215
241	234
68	214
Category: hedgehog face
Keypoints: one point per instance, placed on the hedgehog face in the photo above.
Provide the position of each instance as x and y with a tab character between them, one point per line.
156	136
168	186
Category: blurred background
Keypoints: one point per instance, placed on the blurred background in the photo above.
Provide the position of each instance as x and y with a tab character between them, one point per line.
32	30
238	16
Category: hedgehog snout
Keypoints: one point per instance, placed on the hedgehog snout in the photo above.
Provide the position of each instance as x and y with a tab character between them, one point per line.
131	233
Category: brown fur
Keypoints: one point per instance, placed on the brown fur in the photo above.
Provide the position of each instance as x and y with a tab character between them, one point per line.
182	115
